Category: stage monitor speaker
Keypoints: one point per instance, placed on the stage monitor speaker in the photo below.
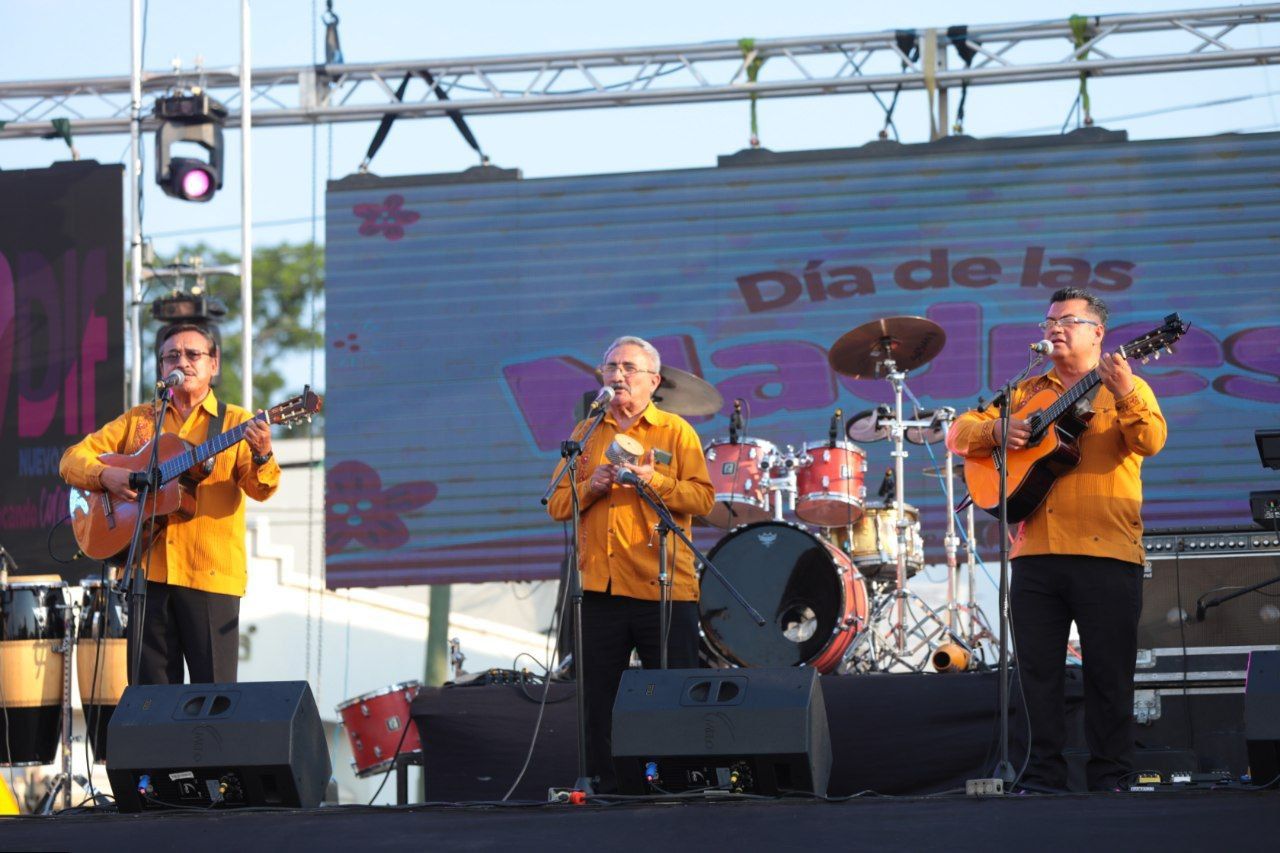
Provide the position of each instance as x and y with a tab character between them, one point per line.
199	745
1186	569
1262	717
760	731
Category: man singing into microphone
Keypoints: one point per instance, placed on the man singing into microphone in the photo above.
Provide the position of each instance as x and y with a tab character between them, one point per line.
1079	555
195	568
618	551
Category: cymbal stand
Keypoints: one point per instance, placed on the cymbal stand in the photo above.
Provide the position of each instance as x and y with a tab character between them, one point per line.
903	598
65	780
979	629
950	541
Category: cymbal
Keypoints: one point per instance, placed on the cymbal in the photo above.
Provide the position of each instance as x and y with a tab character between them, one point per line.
682	393
867	426
910	341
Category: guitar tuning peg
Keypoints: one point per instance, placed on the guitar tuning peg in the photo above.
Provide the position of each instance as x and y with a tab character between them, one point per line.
1169	349
1145	359
1156	356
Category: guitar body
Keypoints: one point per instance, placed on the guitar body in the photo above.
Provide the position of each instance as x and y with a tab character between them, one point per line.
1032	469
103	524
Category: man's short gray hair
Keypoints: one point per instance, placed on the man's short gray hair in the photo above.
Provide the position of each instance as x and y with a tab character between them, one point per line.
631	340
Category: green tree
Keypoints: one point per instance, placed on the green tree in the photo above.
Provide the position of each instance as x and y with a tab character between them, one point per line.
288	316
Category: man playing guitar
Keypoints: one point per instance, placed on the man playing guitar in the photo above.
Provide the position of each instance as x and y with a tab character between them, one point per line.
1078	556
195	567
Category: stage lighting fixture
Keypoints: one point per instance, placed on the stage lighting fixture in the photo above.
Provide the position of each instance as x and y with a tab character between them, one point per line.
195	118
180	307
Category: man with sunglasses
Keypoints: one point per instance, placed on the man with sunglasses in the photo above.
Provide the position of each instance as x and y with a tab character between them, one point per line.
1079	555
195	568
618	552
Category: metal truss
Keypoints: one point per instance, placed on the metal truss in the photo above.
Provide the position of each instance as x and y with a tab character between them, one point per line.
791	67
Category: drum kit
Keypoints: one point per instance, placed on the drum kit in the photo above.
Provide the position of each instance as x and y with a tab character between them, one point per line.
42	629
836	579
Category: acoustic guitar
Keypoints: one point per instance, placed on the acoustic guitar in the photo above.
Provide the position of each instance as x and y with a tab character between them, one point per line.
1053	446
103	524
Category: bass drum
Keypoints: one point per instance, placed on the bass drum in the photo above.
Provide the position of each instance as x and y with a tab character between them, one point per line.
813	602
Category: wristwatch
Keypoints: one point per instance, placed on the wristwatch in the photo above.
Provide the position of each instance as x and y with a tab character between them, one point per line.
262	460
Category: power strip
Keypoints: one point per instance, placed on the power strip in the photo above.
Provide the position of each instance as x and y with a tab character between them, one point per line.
984	787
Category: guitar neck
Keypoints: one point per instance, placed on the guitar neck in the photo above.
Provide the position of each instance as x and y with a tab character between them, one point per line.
1071	396
174	467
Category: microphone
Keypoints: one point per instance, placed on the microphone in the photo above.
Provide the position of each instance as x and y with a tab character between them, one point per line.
175	377
602	399
1044	347
735	421
834	429
627	477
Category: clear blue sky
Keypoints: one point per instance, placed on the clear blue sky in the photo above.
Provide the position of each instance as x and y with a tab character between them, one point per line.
74	39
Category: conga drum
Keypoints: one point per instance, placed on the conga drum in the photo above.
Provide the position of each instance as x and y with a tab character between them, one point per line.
102	659
33	623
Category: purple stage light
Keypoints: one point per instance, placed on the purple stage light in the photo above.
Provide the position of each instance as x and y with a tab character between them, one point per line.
196	183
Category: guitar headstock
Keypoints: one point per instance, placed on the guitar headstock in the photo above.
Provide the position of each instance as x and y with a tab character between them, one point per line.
296	409
1158	340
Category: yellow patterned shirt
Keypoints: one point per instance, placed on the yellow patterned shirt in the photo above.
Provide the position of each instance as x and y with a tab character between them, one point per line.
1095	509
619	550
206	552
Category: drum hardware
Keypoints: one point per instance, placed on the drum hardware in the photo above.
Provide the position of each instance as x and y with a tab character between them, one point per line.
889	348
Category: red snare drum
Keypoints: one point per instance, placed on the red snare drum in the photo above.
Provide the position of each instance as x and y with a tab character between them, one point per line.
737	473
806	587
829	489
375	724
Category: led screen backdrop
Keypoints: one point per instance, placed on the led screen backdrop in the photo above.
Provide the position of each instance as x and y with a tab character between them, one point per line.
465	313
61	344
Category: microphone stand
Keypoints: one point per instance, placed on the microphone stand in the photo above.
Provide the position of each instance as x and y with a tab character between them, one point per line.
570	451
133	583
1202	606
1004	768
667	524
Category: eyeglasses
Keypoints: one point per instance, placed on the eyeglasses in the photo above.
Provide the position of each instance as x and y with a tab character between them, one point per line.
174	356
1066	322
627	369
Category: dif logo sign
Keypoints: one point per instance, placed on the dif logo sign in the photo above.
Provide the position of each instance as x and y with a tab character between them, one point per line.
52	339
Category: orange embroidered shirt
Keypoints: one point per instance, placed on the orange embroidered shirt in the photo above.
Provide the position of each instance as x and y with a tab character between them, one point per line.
618	549
206	552
1096	508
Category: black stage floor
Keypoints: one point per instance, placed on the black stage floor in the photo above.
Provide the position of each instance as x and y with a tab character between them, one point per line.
1191	820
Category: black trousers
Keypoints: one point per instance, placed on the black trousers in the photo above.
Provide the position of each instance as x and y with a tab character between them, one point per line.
1104	598
613	625
202	628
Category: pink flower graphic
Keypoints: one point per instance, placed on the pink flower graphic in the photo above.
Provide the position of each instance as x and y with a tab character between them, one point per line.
387	219
360	510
